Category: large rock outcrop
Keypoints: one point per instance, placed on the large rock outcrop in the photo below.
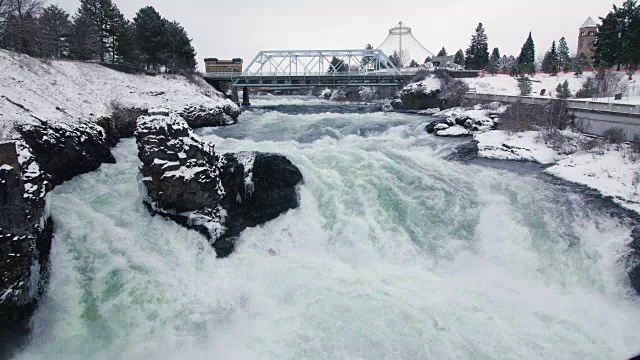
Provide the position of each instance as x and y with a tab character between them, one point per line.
201	115
25	242
437	90
633	260
184	179
421	95
64	151
258	188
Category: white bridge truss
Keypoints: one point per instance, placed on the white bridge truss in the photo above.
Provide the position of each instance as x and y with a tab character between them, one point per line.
319	67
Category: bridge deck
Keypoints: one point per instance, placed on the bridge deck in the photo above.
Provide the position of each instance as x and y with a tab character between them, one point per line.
316	79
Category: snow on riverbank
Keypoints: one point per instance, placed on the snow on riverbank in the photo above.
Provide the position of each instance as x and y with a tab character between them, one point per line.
69	91
521	146
610	173
610	170
506	85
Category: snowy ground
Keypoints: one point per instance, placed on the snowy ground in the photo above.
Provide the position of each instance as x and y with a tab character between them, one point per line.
68	91
507	85
609	170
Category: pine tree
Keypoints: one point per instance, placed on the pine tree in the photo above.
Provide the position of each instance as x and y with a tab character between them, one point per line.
179	55
442	52
366	60
395	59
494	62
550	63
524	84
55	28
563	91
103	14
564	55
628	13
414	64
617	37
117	33
634	42
527	58
126	47
19	27
459	58
84	39
477	55
150	35
338	65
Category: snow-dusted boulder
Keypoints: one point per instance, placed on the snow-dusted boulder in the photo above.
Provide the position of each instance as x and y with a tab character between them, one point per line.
181	171
25	241
203	115
66	150
465	121
182	178
418	96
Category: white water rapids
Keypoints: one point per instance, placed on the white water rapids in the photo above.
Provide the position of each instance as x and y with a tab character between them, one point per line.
394	253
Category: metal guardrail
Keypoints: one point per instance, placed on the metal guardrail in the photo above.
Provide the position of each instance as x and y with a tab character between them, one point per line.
574	104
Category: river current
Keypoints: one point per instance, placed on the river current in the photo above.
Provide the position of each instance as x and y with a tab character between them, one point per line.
395	253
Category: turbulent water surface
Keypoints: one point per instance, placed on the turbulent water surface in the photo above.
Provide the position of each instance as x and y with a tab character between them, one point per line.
394	253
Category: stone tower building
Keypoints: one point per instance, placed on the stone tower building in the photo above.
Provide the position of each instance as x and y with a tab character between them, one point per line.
587	37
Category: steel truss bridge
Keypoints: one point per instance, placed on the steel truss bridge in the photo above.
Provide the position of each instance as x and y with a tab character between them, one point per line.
309	68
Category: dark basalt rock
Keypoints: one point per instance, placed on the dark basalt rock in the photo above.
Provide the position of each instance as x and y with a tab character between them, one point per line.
416	97
219	196
269	192
431	127
64	151
465	152
26	232
203	115
633	259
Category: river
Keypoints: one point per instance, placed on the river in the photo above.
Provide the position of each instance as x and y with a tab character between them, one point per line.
394	253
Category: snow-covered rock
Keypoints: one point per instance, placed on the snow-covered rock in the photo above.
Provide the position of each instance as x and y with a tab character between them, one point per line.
202	115
25	240
66	150
462	121
182	178
418	96
519	146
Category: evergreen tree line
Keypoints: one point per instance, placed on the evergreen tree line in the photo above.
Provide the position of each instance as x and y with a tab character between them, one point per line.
98	31
618	37
558	58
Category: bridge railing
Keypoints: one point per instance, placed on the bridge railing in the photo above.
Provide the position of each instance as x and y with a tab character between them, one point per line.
372	74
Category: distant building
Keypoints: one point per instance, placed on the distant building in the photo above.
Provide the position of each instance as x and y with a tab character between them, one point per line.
213	65
587	38
442	62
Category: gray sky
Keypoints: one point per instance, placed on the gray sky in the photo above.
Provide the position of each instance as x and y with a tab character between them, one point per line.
241	28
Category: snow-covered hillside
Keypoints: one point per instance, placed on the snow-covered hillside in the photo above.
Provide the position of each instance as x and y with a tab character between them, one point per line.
68	91
507	85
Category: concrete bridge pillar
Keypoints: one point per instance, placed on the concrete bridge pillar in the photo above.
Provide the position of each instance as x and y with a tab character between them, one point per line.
234	95
245	96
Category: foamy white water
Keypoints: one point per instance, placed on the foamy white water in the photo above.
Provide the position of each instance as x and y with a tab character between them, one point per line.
395	253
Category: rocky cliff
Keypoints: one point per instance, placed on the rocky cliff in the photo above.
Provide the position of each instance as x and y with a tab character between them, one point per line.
25	240
184	179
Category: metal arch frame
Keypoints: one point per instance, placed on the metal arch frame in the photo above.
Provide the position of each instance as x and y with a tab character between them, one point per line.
317	64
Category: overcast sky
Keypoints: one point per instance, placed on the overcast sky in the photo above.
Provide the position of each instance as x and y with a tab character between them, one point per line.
241	28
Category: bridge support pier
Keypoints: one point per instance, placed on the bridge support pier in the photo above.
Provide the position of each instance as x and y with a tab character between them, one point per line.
234	95
245	96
